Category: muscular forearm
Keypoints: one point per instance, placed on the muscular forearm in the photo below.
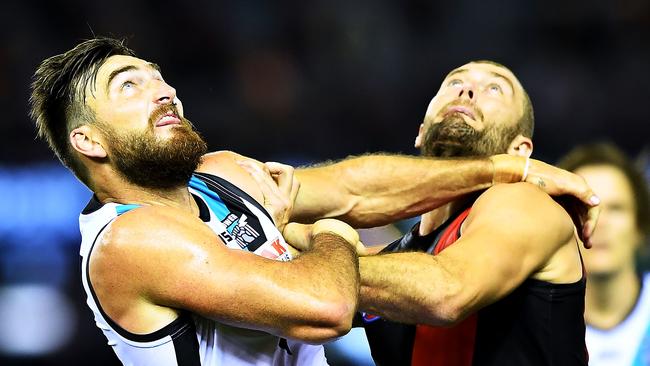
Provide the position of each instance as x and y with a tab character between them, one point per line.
374	190
331	255
409	288
326	287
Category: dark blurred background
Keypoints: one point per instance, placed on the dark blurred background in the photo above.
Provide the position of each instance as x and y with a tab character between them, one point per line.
294	81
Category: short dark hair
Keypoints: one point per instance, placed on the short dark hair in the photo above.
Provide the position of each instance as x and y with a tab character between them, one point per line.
526	123
57	102
605	153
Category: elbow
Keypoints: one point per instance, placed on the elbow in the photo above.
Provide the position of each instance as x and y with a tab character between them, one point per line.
327	323
450	308
446	315
337	317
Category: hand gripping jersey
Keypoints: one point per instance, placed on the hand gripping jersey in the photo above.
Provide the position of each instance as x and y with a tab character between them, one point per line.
190	339
628	343
539	323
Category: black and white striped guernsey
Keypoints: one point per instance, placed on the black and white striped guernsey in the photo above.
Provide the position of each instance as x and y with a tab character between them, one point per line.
190	339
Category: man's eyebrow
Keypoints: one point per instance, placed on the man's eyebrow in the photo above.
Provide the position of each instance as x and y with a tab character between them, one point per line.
497	75
128	68
116	72
457	71
492	73
154	66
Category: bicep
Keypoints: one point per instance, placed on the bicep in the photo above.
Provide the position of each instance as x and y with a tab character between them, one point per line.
213	281
178	262
509	235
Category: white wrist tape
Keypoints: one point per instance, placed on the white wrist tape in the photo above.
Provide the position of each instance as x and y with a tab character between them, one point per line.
526	168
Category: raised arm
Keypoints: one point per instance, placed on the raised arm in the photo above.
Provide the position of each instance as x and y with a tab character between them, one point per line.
504	242
173	260
374	190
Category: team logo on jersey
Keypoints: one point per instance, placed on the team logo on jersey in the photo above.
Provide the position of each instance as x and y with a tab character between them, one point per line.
242	231
369	318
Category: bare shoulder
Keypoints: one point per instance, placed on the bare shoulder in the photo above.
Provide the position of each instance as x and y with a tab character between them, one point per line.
517	196
146	245
139	235
218	162
224	164
521	206
141	261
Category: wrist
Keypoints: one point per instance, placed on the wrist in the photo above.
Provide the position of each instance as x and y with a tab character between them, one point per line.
330	239
509	168
335	227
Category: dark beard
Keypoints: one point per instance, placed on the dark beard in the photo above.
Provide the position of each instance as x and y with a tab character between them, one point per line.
150	162
454	138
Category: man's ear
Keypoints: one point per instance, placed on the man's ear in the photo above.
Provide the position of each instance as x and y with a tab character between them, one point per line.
418	138
84	139
521	146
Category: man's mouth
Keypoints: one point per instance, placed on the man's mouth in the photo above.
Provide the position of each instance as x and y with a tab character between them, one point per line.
168	119
461	109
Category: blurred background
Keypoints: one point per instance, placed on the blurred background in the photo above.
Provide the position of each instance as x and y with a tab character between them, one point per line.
298	82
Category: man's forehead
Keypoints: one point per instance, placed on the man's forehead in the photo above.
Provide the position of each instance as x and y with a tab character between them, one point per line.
485	67
110	68
117	62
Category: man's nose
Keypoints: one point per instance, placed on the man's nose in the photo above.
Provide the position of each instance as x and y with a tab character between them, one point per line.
466	92
164	93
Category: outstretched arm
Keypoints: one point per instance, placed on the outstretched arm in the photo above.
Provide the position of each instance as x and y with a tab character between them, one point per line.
504	242
374	190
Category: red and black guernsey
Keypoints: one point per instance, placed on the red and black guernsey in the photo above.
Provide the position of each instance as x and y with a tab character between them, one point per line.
539	323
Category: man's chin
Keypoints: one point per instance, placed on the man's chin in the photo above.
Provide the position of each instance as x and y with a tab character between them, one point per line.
445	149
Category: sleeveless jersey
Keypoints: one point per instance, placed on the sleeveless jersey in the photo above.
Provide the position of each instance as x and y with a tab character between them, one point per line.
242	224
539	323
628	343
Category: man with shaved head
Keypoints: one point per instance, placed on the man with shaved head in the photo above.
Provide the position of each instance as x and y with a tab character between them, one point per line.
493	278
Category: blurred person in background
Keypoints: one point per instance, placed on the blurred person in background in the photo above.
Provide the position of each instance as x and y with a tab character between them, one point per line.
617	308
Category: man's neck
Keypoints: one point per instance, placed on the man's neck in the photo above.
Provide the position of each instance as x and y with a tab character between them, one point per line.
433	219
610	299
127	193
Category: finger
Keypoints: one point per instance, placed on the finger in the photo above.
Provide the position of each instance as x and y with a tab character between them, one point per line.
298	235
258	173
264	182
282	174
336	227
580	189
361	249
252	163
295	187
590	225
295	252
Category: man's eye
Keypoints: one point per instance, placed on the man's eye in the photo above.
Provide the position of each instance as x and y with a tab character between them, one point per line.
494	88
455	82
128	84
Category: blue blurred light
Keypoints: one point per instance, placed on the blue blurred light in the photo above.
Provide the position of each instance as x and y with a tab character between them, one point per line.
40	205
39	229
